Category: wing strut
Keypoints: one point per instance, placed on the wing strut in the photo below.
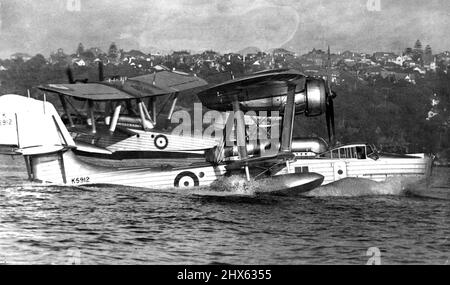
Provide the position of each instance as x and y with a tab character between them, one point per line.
152	107
240	134
172	109
66	110
92	116
288	122
115	119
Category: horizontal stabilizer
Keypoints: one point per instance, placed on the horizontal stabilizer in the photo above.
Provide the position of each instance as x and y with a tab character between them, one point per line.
89	148
40	150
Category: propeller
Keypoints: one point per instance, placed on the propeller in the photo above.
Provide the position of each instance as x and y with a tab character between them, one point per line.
329	112
69	74
101	76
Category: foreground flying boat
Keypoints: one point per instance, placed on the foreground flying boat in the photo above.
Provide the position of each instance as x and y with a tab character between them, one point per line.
34	129
287	91
118	123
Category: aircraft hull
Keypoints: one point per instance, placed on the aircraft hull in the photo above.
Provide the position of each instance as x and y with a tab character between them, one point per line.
414	168
65	168
34	129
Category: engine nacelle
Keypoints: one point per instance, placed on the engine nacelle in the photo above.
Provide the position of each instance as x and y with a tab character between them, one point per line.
315	97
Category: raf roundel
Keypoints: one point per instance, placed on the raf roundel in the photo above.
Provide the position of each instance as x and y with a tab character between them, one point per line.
161	142
186	179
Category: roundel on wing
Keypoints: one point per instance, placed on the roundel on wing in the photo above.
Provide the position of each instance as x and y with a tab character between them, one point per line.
161	142
186	179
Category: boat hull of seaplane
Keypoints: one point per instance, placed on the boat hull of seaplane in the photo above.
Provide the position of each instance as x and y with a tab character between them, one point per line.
65	168
358	161
33	129
414	168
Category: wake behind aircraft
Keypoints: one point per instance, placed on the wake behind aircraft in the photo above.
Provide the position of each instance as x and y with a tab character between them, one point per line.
120	122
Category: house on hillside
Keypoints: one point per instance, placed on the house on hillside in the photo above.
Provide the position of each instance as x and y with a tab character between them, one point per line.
351	56
60	57
210	55
374	71
182	57
317	57
79	62
281	52
429	62
23	56
420	70
135	53
384	57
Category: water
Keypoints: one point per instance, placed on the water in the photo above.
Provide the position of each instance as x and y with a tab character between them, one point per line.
335	224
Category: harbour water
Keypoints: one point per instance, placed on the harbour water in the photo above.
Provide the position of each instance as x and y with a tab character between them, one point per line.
335	224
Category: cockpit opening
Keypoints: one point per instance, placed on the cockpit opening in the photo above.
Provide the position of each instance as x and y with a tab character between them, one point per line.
349	152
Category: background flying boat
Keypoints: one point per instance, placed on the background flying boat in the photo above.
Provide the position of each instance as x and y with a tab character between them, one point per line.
116	118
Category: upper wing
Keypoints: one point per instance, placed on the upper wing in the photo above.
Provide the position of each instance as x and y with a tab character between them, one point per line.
157	84
91	91
171	81
265	84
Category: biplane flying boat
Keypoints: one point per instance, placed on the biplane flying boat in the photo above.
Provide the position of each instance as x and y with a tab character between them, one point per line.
287	91
117	118
50	157
290	93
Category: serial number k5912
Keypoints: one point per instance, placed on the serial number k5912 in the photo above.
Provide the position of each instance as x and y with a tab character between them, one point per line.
80	180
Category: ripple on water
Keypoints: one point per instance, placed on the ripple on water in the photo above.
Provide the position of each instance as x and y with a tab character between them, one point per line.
121	225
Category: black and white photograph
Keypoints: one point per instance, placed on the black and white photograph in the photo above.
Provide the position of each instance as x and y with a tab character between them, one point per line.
224	133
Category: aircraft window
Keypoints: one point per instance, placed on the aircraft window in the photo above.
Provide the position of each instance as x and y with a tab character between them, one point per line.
361	152
335	154
344	153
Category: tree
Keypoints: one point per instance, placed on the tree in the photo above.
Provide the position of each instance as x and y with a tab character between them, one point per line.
418	46
408	51
80	49
418	51
36	63
428	50
113	52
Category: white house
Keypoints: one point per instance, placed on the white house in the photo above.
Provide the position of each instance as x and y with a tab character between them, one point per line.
399	60
421	71
80	62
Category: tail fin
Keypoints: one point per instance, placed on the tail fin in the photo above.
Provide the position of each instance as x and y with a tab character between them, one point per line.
30	127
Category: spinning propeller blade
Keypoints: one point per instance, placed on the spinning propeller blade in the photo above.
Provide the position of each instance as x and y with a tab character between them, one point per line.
69	74
329	112
101	76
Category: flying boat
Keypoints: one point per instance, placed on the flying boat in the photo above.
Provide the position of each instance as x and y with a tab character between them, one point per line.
116	118
272	91
34	129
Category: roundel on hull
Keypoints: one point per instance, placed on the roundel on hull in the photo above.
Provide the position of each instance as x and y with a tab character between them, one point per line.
340	170
161	142
186	180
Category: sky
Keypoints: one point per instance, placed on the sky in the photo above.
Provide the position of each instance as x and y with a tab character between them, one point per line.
223	25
